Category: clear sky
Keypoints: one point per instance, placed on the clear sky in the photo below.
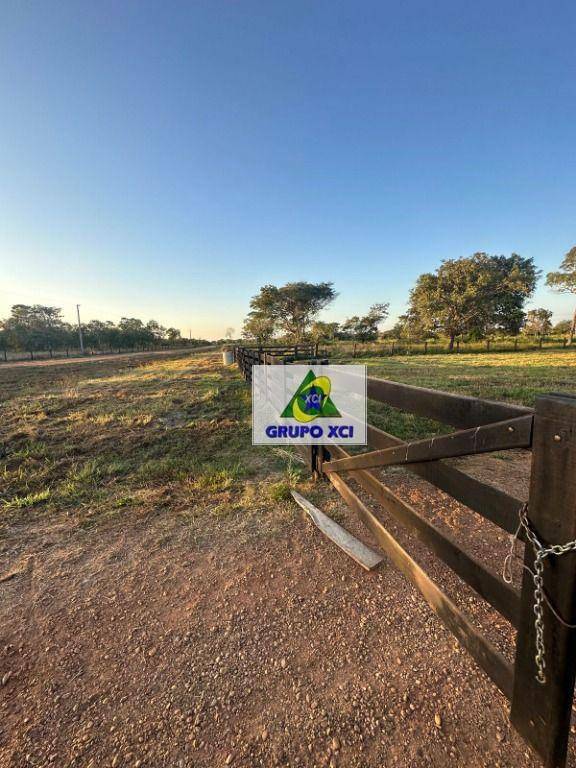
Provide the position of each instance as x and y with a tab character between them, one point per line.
166	159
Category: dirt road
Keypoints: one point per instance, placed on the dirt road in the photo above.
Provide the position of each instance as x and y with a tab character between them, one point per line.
130	646
158	610
101	358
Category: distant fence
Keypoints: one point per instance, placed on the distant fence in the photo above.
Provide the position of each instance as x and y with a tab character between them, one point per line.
8	356
246	357
386	348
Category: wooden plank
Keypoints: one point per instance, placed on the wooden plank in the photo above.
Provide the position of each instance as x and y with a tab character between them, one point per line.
348	543
504	598
493	504
541	713
512	433
491	661
447	407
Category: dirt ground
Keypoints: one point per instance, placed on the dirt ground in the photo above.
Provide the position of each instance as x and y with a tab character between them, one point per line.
131	643
109	357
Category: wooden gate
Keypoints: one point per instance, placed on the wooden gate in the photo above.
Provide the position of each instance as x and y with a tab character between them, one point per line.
540	682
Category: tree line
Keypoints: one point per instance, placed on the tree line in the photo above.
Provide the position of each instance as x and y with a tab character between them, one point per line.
469	298
41	328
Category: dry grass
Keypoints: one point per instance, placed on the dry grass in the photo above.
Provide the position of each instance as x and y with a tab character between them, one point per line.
173	435
167	435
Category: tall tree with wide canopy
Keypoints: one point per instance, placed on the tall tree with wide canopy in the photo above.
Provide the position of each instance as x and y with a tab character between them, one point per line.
564	281
479	293
292	307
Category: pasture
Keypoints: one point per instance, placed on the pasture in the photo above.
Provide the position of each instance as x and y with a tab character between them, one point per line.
96	439
164	602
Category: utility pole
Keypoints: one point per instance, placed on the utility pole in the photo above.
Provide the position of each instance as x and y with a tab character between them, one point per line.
80	330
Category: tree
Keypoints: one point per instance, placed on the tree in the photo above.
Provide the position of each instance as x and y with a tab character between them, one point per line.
513	282
35	327
408	326
133	333
563	327
97	334
538	322
480	294
321	331
258	328
38	327
564	281
156	333
366	328
292	307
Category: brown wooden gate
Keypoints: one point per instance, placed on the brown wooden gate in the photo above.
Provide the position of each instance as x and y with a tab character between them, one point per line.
541	689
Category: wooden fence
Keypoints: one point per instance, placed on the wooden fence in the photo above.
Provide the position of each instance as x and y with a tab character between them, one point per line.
540	682
9	356
391	347
246	357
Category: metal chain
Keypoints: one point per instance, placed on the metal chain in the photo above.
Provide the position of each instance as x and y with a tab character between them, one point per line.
541	553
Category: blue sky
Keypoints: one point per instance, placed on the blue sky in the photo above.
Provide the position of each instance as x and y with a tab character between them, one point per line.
167	159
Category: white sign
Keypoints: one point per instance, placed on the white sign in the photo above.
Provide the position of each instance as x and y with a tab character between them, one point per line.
309	404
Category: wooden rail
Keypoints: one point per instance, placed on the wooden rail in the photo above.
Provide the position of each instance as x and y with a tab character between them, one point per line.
501	596
541	713
495	505
493	663
512	433
246	357
446	407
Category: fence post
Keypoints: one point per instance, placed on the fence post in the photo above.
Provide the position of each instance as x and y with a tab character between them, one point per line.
541	713
425	347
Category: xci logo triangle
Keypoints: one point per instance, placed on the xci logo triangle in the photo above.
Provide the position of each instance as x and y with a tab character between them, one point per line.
311	400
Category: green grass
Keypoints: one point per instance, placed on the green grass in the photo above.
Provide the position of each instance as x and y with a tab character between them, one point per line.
514	377
172	436
23	502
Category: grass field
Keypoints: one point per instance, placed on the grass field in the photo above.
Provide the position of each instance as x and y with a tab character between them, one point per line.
175	433
165	434
516	377
164	603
